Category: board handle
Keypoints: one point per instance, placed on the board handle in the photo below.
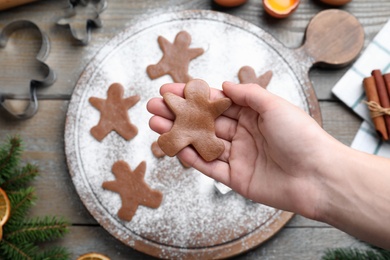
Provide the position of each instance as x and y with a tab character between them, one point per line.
333	38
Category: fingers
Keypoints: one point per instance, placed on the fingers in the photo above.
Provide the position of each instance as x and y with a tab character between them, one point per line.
162	121
175	88
178	89
219	170
162	125
225	128
158	107
251	95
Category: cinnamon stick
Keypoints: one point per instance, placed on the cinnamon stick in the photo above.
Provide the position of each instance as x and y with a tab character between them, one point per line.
384	98
372	95
386	78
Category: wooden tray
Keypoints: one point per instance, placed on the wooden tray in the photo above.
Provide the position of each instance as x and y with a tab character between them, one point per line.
194	219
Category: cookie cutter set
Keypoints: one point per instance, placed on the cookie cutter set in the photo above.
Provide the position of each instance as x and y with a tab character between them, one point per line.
76	7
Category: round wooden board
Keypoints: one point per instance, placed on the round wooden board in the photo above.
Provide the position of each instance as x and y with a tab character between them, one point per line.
194	219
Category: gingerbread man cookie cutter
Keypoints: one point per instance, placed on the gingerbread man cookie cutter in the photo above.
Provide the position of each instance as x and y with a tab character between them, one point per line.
49	75
89	12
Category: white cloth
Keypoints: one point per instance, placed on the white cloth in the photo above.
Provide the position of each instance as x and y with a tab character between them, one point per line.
349	89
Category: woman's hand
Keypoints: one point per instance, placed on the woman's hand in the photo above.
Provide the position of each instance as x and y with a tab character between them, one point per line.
271	146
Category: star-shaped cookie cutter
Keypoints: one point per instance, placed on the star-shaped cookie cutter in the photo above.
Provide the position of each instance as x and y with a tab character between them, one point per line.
48	79
91	10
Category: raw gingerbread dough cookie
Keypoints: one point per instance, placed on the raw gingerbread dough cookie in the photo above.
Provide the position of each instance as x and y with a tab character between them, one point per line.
248	75
158	153
113	114
176	58
194	122
132	189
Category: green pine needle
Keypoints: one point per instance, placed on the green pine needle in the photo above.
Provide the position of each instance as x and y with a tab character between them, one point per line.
21	202
57	253
9	158
355	254
25	251
21	177
20	234
38	229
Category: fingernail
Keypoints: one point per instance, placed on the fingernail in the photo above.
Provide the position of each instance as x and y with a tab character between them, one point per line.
228	83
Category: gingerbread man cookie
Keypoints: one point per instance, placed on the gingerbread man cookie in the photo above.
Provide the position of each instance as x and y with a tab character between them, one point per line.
158	153
113	114
176	58
194	122
248	75
132	189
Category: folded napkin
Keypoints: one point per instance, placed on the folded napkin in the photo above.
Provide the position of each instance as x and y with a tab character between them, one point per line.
349	89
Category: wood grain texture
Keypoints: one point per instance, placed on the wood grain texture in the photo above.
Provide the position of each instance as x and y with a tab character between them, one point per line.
69	59
288	244
43	134
43	141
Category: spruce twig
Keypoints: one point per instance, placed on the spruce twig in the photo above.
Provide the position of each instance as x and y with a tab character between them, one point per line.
21	202
21	177
25	251
20	234
53	253
356	254
38	229
9	158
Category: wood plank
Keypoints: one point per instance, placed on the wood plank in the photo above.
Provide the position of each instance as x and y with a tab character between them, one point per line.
69	60
43	138
43	134
289	243
44	146
340	121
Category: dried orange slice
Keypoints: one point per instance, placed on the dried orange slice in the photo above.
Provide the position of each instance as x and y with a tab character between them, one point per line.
93	256
5	210
5	207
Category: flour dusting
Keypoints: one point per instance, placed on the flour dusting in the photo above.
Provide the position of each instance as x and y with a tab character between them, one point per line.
193	214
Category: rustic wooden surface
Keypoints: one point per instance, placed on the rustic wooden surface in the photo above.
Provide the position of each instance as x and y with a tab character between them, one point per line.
43	134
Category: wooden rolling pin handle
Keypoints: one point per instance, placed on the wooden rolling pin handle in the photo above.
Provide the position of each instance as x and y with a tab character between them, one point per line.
6	4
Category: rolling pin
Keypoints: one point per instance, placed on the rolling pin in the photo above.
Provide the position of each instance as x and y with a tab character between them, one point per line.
6	4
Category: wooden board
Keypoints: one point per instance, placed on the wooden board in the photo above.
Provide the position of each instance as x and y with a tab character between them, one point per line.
222	225
43	134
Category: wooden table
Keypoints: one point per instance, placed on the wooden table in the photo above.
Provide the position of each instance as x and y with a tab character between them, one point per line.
43	134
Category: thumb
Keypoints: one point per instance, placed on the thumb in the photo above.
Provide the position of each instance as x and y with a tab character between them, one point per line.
251	95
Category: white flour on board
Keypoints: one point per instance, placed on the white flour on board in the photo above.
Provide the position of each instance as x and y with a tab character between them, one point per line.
192	214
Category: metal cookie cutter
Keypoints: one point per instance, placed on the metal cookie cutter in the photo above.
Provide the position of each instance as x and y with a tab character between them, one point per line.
49	75
81	16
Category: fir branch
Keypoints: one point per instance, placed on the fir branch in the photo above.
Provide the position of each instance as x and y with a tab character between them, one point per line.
21	202
57	253
21	177
38	229
9	157
385	253
12	251
355	254
20	236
